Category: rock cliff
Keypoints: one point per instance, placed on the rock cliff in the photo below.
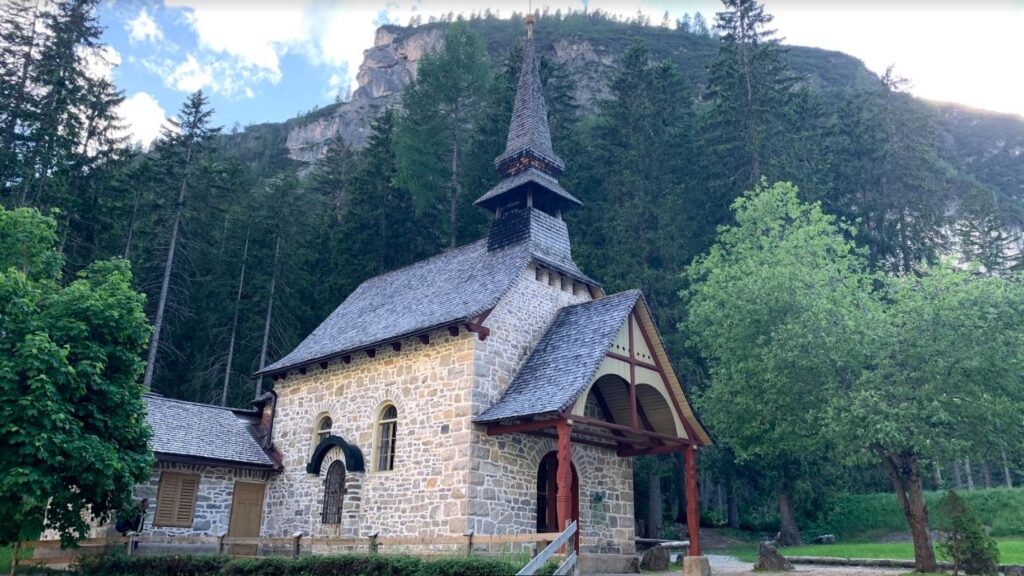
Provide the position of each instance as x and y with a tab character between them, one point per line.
392	62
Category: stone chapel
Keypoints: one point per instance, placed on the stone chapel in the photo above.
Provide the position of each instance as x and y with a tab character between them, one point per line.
494	387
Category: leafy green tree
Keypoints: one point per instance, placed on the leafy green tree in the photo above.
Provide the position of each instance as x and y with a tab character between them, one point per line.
776	308
440	108
72	420
944	359
965	541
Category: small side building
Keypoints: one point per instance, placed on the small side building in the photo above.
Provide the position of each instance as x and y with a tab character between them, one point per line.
212	467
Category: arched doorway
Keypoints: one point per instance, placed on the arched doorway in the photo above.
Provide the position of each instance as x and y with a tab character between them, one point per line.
547	494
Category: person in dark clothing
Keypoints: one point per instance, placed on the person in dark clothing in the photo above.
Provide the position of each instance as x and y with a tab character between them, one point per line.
136	523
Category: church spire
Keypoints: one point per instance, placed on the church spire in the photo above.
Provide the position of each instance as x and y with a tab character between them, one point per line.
529	167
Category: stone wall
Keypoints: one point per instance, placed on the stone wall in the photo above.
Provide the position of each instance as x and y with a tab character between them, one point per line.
503	475
213	501
430	385
449	476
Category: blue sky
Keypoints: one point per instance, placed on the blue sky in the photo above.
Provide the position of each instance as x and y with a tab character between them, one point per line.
263	61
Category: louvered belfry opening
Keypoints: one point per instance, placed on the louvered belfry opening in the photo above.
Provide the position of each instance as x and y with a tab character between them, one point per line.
334	493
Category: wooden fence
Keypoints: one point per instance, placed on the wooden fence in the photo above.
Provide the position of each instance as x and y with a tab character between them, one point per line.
50	553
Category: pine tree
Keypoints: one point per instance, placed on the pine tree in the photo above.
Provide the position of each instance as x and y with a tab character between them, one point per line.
890	178
748	85
441	106
179	149
19	47
380	228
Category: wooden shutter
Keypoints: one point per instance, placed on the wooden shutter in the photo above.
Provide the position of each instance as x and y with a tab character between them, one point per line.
176	500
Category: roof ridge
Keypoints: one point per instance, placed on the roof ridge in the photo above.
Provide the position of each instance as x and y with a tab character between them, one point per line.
192	403
446	252
604	298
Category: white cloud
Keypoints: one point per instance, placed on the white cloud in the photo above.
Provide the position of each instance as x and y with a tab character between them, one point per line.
143	117
190	75
257	34
101	62
143	28
226	76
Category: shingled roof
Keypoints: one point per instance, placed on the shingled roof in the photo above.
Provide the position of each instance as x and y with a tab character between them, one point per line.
201	431
451	288
565	359
528	130
526	177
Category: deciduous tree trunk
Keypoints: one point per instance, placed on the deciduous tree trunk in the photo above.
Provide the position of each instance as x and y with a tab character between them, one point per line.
734	506
938	475
906	480
654	502
1006	468
986	475
789	533
968	474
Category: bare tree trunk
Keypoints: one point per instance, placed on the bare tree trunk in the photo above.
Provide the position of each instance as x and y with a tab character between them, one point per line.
789	533
906	480
453	208
958	478
131	225
1006	468
654	501
234	323
968	474
158	323
270	313
986	475
938	475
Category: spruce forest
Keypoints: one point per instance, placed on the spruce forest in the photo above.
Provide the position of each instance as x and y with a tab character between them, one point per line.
242	250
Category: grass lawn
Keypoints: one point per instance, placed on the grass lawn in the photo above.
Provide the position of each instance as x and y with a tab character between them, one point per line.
1011	550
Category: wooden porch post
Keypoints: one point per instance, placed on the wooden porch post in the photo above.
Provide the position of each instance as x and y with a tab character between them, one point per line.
564	477
692	507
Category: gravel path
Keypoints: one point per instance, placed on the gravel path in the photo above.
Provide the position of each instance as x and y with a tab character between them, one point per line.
729	566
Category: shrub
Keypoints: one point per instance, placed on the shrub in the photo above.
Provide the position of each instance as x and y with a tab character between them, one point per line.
965	541
468	566
118	564
860	515
340	565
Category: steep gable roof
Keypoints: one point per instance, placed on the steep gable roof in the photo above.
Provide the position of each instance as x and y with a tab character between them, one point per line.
450	288
570	354
565	359
190	430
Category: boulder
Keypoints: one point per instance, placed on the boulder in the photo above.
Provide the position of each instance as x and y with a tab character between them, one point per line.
769	559
825	539
1013	570
655	559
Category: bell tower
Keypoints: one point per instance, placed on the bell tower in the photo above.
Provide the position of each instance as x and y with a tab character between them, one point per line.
529	167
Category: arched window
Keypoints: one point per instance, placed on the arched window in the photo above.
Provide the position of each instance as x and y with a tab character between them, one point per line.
334	493
387	431
322	430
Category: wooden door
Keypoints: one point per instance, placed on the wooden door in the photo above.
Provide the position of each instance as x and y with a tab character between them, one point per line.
246	516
